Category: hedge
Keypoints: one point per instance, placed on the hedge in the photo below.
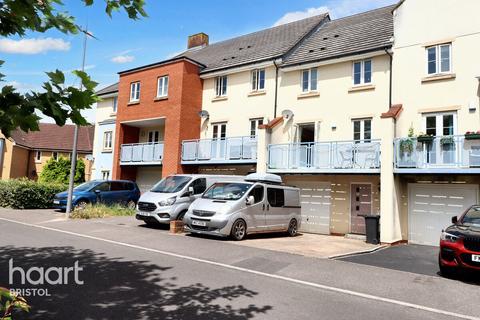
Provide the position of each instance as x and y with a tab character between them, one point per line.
28	194
58	171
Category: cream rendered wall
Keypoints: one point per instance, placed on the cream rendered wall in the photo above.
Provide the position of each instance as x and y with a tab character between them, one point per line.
422	23
335	105
240	104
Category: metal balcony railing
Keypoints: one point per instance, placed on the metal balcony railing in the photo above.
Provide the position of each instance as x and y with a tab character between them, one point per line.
437	152
320	156
221	150
141	153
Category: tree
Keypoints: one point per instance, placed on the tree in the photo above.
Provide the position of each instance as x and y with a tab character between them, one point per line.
58	171
57	101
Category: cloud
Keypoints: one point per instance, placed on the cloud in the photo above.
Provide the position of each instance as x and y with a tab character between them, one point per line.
336	8
22	87
122	59
33	46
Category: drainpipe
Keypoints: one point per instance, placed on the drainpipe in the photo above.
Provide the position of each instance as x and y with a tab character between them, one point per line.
276	90
390	90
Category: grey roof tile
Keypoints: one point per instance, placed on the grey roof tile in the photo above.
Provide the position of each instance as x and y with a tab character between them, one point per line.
107	90
346	36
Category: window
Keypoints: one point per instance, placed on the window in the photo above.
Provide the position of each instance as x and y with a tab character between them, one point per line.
258	80
362	72
199	185
55	155
153	136
221	86
104	186
107	140
105	175
134	91
276	197
254	123
115	104
38	156
162	89
117	186
219	130
257	193
309	80
439	59
362	130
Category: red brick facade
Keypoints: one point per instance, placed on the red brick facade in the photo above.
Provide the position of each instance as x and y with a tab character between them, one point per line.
180	111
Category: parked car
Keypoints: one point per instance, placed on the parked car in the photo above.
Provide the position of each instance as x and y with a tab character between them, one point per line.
460	243
108	192
258	204
170	198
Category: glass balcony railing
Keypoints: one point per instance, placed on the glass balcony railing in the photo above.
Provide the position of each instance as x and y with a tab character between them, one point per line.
224	150
141	153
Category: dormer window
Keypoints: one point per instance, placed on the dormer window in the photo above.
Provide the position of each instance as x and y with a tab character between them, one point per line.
221	86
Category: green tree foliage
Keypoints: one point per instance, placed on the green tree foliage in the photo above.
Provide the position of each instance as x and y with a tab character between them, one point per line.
57	101
9	303
58	171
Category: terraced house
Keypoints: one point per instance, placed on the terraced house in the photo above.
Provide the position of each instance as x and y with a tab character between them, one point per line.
336	107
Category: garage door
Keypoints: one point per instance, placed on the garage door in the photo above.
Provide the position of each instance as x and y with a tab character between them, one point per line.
431	208
315	199
147	177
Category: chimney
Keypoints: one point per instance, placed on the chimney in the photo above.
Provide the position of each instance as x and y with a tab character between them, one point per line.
198	40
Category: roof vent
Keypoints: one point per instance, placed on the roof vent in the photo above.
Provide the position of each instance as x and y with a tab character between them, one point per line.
311	50
240	48
322	48
249	46
325	38
233	57
336	36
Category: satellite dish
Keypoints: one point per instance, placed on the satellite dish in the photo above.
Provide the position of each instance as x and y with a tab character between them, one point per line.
204	114
287	114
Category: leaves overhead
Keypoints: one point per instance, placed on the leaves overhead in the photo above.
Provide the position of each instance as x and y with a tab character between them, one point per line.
57	101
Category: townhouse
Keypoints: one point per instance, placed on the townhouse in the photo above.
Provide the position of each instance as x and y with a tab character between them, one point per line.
337	107
104	142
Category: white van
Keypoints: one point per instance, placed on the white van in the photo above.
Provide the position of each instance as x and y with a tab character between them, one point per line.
170	198
260	203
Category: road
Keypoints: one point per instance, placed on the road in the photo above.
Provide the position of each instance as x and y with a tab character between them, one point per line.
131	272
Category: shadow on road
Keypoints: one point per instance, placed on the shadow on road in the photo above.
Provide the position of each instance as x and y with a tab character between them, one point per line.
116	288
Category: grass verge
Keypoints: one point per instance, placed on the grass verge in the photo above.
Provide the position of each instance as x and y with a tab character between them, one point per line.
102	211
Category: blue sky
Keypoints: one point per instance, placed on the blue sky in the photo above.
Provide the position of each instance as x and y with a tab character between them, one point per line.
124	43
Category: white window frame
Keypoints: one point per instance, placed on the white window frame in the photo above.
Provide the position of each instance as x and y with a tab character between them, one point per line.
362	129
135	91
154	134
108	140
38	156
221	85
362	72
438	59
107	173
55	155
115	104
309	89
256	83
440	115
258	122
162	87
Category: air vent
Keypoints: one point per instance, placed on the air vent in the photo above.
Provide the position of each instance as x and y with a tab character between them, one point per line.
311	50
336	36
322	48
233	57
326	38
249	47
240	48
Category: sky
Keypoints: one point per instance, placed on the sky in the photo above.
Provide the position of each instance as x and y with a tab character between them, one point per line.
123	43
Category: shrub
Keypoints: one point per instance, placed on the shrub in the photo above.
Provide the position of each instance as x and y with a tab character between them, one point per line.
58	171
101	211
28	194
9	303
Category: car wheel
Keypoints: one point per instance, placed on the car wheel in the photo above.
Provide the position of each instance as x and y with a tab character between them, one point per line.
239	230
292	228
131	204
81	204
445	271
181	215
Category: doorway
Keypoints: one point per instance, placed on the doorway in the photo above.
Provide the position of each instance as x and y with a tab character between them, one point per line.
361	204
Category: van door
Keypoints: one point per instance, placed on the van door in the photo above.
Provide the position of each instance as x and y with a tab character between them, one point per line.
256	212
275	213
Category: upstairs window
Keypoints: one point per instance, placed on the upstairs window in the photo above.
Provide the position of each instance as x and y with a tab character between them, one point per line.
115	104
362	72
254	123
362	130
221	86
258	80
107	140
134	91
439	59
162	88
309	80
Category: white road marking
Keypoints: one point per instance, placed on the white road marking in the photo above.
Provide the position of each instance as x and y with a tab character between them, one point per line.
268	275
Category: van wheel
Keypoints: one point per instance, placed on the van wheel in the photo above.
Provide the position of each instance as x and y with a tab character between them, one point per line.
181	215
292	228
239	230
131	204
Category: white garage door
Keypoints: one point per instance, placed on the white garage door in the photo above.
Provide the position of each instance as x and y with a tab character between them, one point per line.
147	177
315	199
431	208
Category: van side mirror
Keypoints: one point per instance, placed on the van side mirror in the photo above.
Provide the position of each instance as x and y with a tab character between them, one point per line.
250	200
454	220
191	191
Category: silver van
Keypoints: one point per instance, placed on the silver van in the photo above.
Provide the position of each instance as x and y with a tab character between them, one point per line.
258	204
170	198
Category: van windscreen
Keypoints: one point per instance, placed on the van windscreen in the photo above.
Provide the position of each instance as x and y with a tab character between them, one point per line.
226	191
171	184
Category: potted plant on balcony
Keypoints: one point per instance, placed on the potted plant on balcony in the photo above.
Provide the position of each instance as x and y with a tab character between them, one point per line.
425	138
447	140
472	135
406	144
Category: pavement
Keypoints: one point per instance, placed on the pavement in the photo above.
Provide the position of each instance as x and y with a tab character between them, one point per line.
133	272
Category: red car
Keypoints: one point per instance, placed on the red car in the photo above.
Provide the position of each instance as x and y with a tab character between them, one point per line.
460	243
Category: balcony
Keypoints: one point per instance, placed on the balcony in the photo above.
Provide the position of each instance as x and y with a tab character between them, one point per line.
442	154
220	151
325	157
141	154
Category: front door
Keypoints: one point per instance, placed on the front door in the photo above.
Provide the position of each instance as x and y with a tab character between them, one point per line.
361	204
218	141
441	151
